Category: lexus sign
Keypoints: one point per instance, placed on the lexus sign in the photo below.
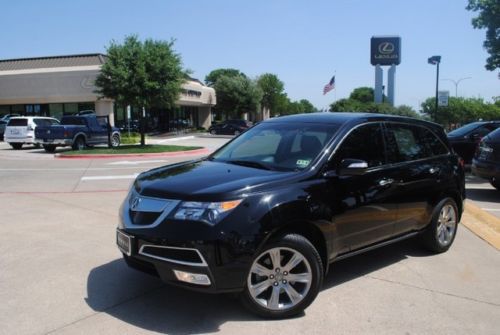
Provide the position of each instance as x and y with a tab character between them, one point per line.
385	50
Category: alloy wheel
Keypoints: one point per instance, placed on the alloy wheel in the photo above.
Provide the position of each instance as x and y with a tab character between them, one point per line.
279	279
447	224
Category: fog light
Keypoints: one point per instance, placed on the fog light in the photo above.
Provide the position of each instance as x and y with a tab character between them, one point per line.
192	278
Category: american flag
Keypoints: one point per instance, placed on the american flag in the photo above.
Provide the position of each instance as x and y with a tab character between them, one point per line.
330	86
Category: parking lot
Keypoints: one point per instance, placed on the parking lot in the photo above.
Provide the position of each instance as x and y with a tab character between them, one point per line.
61	273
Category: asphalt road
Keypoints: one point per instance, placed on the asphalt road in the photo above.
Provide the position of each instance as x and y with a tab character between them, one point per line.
61	273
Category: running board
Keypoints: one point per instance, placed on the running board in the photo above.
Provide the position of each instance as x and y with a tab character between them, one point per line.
375	246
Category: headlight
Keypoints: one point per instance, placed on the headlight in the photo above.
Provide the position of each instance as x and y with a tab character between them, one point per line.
209	212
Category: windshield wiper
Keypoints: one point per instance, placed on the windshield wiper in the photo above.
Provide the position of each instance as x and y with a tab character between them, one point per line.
256	165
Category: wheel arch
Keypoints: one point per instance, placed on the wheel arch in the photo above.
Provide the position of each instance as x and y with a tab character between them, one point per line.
306	229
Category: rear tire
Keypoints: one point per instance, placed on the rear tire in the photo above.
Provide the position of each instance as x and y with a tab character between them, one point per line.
441	232
213	132
495	184
284	278
79	143
49	148
16	146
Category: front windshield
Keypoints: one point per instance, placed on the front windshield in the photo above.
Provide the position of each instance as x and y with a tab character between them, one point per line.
465	129
277	146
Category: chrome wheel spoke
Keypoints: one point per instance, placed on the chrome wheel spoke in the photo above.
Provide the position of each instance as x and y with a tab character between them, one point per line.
294	296
275	298
299	277
295	260
275	257
259	288
261	270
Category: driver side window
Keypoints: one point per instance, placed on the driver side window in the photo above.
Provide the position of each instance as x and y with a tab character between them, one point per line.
365	143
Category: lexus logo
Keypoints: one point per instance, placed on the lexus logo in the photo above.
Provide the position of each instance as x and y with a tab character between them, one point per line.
135	202
386	48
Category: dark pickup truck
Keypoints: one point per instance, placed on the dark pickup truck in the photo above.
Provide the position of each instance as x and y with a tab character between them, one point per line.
77	131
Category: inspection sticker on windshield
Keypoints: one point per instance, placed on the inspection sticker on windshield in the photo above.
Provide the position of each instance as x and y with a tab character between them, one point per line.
303	162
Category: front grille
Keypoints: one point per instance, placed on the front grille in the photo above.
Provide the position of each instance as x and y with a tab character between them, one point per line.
186	256
143	218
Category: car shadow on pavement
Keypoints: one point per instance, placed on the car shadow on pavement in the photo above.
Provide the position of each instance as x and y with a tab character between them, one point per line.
145	302
481	194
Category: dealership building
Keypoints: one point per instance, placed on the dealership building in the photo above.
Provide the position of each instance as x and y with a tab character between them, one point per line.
63	85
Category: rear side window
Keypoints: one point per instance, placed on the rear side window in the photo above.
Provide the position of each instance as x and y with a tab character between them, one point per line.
18	123
408	143
45	122
77	121
366	143
433	144
494	135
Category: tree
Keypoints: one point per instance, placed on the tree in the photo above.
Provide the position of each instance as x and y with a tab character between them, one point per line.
237	95
143	74
271	88
214	75
361	100
307	106
489	18
461	110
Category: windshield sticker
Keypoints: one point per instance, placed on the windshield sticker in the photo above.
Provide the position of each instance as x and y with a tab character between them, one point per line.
303	162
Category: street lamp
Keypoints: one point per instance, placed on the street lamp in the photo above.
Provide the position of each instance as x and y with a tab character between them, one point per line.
435	60
456	82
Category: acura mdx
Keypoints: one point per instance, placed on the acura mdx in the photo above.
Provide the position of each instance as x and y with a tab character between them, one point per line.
267	213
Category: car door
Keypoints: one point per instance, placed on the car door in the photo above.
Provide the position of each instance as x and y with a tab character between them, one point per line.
97	134
418	155
364	206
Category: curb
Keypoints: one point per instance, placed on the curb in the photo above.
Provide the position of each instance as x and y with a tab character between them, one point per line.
157	154
483	224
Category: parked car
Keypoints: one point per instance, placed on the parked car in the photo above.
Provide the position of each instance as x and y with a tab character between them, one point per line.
3	124
77	131
21	130
465	140
7	117
229	127
486	162
267	213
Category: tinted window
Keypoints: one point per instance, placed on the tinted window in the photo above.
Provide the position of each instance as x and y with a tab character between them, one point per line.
432	143
45	122
484	130
278	146
462	131
365	143
17	123
78	121
409	142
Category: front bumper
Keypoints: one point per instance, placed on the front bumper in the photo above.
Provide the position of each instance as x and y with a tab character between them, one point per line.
161	257
486	170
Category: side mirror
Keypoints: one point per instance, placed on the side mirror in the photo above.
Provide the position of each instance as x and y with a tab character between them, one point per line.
354	167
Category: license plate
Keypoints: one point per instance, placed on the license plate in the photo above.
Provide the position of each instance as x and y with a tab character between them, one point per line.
124	242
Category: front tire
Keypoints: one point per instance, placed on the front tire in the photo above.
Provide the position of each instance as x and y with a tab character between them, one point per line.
284	278
441	232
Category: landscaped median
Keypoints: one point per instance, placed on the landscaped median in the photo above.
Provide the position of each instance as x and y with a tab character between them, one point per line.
134	151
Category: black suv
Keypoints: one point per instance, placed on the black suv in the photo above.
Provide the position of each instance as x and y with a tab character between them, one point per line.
268	212
465	140
486	162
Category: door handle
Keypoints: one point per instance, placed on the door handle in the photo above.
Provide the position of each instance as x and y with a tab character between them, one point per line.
385	181
433	170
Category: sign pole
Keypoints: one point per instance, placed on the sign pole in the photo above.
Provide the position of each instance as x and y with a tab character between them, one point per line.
391	78
379	74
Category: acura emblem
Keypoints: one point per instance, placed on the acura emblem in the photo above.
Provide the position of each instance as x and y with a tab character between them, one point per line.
135	203
386	48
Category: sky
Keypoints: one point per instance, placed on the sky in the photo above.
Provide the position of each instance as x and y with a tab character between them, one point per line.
303	42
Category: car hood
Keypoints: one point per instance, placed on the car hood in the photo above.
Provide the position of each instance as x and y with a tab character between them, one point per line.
205	180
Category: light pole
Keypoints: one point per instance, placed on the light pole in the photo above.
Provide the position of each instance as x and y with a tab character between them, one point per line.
456	82
435	60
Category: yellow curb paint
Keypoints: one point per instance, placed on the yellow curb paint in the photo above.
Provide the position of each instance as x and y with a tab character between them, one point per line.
482	223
